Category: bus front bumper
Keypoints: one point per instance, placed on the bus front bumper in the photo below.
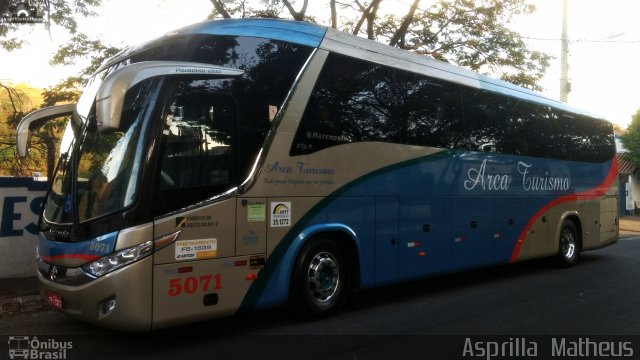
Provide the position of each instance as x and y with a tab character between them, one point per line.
120	300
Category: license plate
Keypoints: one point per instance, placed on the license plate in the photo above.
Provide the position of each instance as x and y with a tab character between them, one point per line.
55	300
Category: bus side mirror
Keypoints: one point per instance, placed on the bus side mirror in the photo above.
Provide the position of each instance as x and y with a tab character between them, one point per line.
110	97
35	120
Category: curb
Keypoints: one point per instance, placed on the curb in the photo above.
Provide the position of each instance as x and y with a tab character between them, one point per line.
21	305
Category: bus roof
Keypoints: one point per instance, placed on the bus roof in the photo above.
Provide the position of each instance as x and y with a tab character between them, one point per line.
322	37
296	32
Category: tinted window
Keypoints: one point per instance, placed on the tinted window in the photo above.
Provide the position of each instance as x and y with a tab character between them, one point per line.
355	100
429	111
529	130
198	160
603	144
270	68
486	114
215	128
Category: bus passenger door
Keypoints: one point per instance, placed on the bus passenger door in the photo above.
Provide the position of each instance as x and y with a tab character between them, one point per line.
472	219
386	226
425	230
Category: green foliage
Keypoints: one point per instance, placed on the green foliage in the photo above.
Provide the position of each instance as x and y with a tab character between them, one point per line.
7	40
474	35
63	13
631	140
63	93
15	102
80	46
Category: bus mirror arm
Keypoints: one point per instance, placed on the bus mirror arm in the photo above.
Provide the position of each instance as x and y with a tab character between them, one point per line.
35	120
111	95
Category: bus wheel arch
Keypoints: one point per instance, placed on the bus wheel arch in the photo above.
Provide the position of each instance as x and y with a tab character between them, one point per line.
569	241
325	272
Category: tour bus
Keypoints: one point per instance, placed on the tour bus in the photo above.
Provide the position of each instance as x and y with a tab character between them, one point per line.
236	165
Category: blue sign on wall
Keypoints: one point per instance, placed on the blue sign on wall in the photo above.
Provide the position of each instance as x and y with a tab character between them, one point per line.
16	195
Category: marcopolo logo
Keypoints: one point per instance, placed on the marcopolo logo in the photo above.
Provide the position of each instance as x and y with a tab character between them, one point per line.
25	347
21	11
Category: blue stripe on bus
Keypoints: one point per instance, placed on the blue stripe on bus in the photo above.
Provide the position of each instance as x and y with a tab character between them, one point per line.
439	189
85	251
296	32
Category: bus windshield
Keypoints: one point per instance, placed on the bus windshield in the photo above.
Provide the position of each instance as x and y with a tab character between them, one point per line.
107	164
58	203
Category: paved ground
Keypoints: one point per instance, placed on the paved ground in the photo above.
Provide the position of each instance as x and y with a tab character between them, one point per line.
22	294
598	300
630	226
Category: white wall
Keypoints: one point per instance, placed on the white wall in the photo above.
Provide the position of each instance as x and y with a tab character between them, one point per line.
634	189
20	203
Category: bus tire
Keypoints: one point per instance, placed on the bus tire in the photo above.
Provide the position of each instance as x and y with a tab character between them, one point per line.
320	279
569	244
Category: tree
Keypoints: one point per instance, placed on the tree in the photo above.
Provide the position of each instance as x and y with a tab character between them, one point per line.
63	13
44	144
228	9
631	140
473	34
15	103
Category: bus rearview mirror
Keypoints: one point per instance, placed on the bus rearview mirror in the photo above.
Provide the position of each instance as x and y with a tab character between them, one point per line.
35	120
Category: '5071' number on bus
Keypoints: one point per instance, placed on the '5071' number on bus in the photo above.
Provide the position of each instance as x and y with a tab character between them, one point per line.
191	284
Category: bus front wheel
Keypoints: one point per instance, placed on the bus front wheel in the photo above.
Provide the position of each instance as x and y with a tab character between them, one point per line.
320	280
569	249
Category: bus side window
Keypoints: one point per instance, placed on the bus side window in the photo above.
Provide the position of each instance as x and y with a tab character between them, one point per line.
197	149
360	101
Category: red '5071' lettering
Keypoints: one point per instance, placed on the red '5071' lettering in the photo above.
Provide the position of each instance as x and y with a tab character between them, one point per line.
191	284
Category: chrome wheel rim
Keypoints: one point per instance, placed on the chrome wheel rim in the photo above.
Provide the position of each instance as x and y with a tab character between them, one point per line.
323	277
568	244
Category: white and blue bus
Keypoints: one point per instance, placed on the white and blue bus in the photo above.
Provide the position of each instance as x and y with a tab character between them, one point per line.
237	165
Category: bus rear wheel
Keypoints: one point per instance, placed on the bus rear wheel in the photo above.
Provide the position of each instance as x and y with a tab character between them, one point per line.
320	280
569	249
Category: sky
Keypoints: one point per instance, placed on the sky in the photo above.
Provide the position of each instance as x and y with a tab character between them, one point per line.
604	66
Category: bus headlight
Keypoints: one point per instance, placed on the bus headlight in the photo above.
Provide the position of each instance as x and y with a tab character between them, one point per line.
120	259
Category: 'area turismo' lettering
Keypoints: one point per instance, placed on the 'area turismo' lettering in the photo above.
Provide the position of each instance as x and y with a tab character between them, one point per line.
478	178
542	183
302	169
491	182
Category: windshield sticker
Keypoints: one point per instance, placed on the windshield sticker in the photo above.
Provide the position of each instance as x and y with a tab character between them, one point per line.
257	262
256	212
251	239
196	249
195	222
280	214
273	110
